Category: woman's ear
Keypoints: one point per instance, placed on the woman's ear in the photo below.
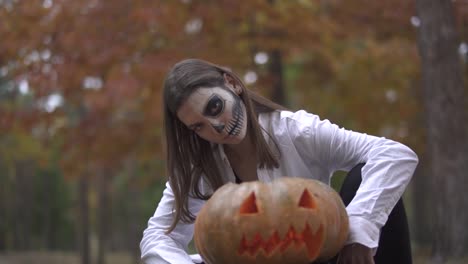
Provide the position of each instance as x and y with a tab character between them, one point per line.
232	84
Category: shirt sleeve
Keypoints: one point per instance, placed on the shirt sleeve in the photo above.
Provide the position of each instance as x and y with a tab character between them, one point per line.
389	166
158	247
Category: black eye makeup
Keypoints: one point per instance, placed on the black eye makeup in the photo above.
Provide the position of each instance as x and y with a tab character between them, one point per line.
214	107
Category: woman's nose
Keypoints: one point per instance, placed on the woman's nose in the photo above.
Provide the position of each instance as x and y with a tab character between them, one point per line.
219	128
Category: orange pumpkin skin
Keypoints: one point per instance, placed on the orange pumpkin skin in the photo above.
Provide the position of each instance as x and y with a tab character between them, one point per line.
288	220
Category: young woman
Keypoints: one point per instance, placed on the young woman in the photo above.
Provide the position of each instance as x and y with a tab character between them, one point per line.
217	131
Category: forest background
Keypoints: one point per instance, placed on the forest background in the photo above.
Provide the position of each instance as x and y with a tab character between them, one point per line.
81	156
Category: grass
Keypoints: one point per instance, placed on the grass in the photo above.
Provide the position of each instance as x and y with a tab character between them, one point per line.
46	257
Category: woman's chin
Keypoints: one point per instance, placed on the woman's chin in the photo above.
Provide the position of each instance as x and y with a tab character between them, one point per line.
233	140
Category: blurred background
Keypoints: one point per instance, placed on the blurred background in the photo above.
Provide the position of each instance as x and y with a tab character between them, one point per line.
81	156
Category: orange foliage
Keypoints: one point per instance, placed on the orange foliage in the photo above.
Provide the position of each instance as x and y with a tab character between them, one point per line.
341	58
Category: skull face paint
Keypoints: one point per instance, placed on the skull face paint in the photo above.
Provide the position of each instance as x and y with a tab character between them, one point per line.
216	114
234	126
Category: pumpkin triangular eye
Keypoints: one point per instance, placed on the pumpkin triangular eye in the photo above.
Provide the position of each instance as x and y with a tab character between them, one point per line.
249	205
307	201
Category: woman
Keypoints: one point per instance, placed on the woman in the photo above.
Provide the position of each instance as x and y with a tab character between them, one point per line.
217	131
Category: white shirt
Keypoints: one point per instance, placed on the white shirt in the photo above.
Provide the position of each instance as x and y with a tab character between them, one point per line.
310	148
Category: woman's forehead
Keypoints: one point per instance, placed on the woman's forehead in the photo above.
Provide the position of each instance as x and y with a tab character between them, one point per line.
202	94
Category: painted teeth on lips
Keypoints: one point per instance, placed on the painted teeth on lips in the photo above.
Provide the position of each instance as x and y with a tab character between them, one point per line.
234	131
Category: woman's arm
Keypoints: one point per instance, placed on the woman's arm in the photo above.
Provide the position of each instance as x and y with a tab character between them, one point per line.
157	246
389	166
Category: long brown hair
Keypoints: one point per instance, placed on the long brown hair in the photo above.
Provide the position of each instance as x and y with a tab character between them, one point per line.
190	157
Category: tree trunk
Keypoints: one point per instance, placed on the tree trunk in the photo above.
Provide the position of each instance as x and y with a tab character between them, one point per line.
47	232
3	224
5	186
276	71
84	219
23	204
103	214
133	214
421	205
134	231
447	132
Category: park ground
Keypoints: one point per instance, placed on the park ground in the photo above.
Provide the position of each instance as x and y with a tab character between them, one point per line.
116	258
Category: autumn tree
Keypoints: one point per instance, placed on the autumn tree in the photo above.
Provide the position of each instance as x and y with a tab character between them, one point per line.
103	64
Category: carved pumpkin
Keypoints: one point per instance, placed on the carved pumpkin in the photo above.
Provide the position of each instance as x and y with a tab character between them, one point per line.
289	220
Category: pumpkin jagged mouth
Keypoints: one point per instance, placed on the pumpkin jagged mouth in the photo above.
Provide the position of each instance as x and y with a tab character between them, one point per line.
312	242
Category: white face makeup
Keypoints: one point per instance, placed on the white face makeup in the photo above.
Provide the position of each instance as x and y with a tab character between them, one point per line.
216	114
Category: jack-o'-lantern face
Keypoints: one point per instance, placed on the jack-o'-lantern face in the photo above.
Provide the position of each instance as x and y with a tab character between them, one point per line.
302	237
290	220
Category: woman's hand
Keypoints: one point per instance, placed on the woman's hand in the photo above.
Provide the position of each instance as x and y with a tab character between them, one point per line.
355	254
